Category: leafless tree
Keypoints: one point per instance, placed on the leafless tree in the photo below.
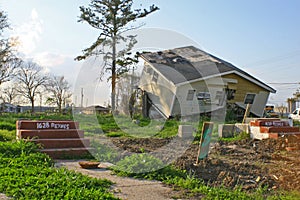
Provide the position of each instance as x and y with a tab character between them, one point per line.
30	79
10	93
8	60
59	91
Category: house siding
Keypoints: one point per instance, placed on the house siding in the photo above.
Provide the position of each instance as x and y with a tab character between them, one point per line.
244	87
160	91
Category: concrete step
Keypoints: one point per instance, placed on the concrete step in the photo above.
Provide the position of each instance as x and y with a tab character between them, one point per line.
50	134
46	124
274	129
61	153
63	143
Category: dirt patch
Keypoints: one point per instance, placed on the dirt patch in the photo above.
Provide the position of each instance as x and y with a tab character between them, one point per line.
248	164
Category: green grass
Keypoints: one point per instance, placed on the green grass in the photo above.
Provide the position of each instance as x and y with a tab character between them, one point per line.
6	135
237	137
27	174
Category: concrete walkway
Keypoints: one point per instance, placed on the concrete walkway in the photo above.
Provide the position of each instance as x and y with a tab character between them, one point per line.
124	187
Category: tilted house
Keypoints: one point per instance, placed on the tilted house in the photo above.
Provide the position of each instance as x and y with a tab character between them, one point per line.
187	81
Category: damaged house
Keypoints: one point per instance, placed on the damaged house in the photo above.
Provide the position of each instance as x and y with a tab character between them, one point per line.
187	81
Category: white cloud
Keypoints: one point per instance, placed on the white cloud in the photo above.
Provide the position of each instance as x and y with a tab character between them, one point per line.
29	33
48	59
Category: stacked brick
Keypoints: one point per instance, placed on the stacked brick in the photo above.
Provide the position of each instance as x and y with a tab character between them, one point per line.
59	139
275	128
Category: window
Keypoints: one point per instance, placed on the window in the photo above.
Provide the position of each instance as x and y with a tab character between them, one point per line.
220	96
202	96
249	99
190	95
155	77
230	93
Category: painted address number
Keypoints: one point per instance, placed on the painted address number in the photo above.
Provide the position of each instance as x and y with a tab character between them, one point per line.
45	125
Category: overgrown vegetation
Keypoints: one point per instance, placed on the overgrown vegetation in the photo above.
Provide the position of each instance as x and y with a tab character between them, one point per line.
25	174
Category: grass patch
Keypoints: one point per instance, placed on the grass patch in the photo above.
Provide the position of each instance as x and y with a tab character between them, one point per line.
104	153
26	174
237	137
6	135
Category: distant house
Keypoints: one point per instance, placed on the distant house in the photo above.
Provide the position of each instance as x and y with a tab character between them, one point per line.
187	81
10	108
95	110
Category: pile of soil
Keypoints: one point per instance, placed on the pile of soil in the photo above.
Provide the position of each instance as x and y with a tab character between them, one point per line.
248	164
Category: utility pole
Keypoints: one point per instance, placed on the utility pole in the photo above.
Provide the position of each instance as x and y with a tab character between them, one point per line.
81	97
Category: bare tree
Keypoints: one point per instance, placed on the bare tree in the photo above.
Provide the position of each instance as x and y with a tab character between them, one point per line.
10	93
59	91
8	61
30	79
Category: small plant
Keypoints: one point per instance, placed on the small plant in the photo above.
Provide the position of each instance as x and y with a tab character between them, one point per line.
103	153
237	137
138	163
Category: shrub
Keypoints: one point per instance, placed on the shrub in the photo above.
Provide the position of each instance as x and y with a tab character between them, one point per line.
7	126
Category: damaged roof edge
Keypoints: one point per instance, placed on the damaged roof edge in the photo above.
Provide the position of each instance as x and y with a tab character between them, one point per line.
233	69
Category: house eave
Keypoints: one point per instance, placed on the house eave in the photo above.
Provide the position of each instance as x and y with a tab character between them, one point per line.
270	89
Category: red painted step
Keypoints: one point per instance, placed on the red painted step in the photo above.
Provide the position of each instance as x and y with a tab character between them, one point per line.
50	134
274	129
59	153
59	139
63	143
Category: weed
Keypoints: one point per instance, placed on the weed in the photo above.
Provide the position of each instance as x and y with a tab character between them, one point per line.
138	163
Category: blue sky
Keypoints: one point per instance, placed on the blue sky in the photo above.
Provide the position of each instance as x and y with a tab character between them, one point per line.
258	36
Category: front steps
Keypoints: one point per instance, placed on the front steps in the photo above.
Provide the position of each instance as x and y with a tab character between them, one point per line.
275	128
59	139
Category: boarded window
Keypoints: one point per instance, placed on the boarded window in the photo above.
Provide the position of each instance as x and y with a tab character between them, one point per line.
155	77
249	99
190	95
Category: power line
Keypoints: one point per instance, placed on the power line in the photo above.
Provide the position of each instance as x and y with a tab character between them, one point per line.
283	83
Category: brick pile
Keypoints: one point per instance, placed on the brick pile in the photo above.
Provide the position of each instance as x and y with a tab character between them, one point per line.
265	128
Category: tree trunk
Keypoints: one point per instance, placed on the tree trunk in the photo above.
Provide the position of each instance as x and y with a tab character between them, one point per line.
113	77
32	105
